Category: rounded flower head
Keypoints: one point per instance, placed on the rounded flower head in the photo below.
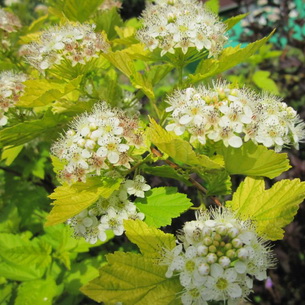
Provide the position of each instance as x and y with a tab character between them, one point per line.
8	21
96	141
76	43
218	259
11	88
233	116
105	215
185	24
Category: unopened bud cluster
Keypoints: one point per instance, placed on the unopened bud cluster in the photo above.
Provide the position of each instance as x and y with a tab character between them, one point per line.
76	43
185	24
234	116
109	214
97	141
11	88
8	21
218	259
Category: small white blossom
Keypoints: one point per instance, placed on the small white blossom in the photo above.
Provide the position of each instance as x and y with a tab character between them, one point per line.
137	187
8	21
233	116
218	258
171	25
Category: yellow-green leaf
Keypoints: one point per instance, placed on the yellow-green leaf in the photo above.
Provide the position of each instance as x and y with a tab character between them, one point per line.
270	210
71	200
212	5
9	154
234	20
177	148
133	280
254	160
151	241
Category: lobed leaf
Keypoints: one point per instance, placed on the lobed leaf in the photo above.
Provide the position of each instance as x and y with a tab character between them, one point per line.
271	210
71	200
162	204
234	20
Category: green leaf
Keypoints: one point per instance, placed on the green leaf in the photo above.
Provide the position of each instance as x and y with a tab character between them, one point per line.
36	292
177	148
234	20
270	210
25	132
9	154
71	200
263	81
254	160
9	218
229	58
151	241
158	72
212	5
162	204
133	280
42	92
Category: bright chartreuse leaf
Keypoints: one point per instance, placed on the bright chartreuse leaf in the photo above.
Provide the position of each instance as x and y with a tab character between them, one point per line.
150	241
212	5
234	20
133	279
177	148
263	81
229	58
72	199
40	292
9	154
254	160
270	210
162	204
42	92
23	133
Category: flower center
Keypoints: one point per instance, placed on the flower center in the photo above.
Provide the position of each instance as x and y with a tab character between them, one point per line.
222	284
190	266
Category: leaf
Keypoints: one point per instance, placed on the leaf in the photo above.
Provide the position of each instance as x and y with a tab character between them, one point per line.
37	292
162	204
151	241
133	280
263	81
270	210
167	172
158	72
9	154
177	148
229	58
71	200
212	5
254	160
42	92
25	132
234	20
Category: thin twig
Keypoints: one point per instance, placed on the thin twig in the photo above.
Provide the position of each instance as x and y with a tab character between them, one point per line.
192	180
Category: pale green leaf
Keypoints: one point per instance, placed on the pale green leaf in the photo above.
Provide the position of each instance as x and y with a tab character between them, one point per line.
177	148
270	210
37	292
9	154
42	92
212	5
263	81
150	241
71	200
234	20
133	280
254	160
229	58
162	204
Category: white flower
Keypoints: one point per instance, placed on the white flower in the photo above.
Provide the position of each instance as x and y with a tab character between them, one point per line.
137	187
186	24
8	21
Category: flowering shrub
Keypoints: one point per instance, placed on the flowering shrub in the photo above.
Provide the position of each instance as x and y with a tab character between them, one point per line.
104	117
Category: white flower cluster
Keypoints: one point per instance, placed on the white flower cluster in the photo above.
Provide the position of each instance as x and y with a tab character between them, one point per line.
8	21
97	141
76	43
219	258
183	24
109	214
11	88
234	116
